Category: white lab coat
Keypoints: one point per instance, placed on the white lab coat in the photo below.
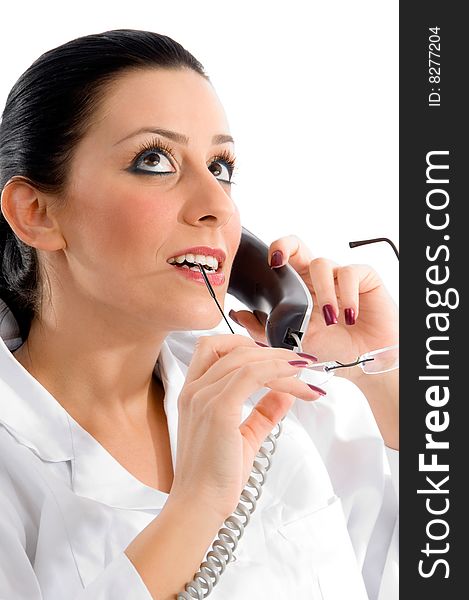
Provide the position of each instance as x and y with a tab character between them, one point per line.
325	527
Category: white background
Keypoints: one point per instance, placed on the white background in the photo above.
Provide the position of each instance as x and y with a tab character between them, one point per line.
311	93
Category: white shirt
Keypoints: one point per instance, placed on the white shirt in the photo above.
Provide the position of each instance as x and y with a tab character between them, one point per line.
325	527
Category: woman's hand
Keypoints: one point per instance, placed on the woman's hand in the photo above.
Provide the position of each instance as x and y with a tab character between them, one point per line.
215	451
353	312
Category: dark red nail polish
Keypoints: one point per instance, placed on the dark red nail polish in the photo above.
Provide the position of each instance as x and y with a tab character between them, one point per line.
317	389
329	314
261	344
276	259
233	317
310	356
349	316
298	363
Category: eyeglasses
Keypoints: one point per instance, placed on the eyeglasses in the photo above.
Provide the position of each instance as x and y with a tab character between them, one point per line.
371	363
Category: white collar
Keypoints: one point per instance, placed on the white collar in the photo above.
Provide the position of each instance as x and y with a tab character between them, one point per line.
35	418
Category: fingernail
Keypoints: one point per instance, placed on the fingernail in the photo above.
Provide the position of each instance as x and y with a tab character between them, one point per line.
233	317
349	316
276	259
261	344
317	389
298	363
310	356
329	314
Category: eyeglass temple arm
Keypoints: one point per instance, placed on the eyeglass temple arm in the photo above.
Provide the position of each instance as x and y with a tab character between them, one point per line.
340	365
382	239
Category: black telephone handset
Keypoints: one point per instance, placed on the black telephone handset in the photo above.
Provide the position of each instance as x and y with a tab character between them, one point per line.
277	296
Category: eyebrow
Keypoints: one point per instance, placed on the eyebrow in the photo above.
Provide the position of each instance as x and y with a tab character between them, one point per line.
221	138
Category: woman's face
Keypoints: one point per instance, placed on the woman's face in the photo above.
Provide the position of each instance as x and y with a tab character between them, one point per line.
137	199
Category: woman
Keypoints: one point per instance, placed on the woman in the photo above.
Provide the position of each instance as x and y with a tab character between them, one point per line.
126	440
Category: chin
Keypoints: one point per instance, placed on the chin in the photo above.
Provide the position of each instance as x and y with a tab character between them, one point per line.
207	322
206	317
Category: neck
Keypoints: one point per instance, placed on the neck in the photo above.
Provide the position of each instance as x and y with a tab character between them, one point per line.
101	370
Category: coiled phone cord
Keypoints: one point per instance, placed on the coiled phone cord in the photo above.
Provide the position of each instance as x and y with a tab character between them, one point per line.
221	552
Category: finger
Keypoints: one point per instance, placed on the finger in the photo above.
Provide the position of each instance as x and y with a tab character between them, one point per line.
242	356
272	407
231	391
210	348
297	387
254	326
290	249
348	283
250	378
352	281
322	272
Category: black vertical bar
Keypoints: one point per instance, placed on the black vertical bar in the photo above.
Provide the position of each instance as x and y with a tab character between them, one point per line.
433	261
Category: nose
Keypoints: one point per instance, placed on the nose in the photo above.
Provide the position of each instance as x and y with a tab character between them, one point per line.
208	202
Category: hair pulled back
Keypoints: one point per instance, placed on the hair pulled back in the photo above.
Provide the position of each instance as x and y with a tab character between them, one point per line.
47	112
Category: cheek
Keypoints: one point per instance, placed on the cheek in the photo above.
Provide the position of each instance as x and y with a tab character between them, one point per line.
234	232
120	225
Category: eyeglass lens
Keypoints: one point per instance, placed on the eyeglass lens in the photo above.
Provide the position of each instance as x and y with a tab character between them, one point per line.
383	360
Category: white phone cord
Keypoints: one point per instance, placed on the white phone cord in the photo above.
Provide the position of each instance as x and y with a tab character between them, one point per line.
221	553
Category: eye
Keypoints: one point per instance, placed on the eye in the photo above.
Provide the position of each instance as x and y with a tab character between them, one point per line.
154	161
219	168
153	157
222	167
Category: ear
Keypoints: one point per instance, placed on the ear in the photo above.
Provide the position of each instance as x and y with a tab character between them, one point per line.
29	214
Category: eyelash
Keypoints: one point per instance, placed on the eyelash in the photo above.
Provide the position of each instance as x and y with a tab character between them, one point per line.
158	145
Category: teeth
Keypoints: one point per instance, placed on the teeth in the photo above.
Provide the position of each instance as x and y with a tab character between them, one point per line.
212	262
209	261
